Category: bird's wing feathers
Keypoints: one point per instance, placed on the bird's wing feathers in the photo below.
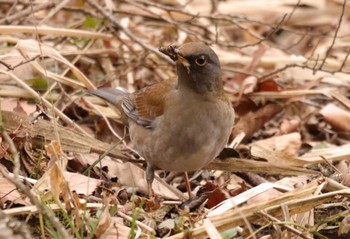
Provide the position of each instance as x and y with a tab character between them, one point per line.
147	104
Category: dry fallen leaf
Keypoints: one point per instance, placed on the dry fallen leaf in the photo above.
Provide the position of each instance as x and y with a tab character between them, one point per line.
289	126
10	104
104	222
253	121
115	228
129	175
288	144
79	183
9	192
338	118
285	55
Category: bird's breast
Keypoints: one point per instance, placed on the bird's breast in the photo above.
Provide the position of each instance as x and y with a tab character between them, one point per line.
186	137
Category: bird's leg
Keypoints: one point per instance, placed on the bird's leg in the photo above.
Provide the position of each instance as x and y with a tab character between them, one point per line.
188	185
149	178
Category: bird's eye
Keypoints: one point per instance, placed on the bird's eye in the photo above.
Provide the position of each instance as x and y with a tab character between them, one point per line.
201	60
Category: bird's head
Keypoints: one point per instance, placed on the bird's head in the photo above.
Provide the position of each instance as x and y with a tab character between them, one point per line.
198	67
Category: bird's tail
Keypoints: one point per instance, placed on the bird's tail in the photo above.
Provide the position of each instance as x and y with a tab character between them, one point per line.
111	95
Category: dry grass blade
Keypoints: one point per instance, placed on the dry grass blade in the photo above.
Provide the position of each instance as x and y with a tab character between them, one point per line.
243	165
211	230
29	48
52	31
298	201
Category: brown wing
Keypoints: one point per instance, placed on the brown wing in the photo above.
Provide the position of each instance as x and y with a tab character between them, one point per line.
147	104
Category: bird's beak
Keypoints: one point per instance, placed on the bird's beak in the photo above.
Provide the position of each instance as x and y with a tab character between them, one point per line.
176	55
183	61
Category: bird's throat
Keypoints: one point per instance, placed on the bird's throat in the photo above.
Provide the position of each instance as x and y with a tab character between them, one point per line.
197	83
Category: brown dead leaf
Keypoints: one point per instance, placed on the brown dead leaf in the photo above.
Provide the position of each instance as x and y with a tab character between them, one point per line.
343	168
216	195
15	105
289	126
267	85
277	158
19	109
56	155
79	183
338	118
253	121
111	227
288	144
130	175
104	223
9	192
13	58
57	181
116	229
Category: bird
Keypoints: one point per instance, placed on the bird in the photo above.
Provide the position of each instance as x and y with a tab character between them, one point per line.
178	125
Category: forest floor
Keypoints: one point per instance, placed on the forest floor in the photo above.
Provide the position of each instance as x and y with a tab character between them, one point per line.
68	168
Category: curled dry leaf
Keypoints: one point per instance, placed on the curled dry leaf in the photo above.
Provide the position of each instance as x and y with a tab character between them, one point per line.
289	126
8	192
104	222
55	153
344	169
58	183
338	118
267	85
249	84
253	121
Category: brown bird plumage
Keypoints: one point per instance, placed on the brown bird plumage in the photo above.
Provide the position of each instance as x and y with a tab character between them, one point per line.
178	125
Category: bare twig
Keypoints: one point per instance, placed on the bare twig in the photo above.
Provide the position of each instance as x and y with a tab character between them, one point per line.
11	68
127	32
335	35
47	103
26	12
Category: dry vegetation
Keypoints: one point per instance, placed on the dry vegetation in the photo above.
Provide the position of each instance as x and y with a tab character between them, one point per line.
68	169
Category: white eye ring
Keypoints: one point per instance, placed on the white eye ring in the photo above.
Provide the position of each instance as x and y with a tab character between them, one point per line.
201	60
